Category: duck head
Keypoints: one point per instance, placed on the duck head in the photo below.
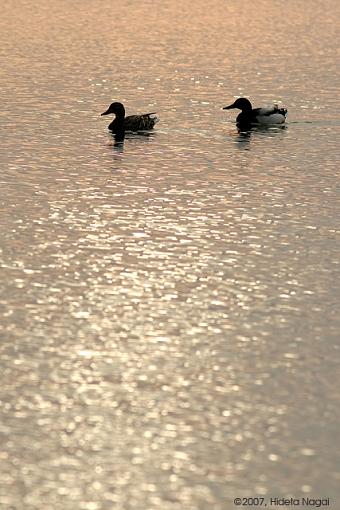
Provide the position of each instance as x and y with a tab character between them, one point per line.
241	103
115	108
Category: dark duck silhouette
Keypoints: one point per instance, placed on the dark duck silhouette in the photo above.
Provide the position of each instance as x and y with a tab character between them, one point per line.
120	123
249	116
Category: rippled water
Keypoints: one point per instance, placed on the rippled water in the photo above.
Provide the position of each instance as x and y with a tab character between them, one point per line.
170	332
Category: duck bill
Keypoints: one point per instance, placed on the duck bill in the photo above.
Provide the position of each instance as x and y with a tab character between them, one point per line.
105	113
230	107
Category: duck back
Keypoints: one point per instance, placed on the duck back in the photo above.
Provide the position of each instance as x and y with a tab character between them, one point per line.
140	122
270	115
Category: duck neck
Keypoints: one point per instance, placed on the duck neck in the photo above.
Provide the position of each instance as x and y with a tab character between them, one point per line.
117	125
120	115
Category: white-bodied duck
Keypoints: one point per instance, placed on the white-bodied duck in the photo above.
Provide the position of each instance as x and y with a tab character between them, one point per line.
131	123
249	116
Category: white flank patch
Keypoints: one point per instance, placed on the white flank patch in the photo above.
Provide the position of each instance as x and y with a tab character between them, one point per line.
276	118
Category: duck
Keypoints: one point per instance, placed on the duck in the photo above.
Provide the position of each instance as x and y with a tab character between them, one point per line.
120	123
249	116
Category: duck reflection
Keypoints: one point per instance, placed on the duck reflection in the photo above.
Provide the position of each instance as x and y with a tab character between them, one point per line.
243	136
243	139
118	138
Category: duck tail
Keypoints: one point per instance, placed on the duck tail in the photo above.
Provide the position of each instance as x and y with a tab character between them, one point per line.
283	111
154	117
